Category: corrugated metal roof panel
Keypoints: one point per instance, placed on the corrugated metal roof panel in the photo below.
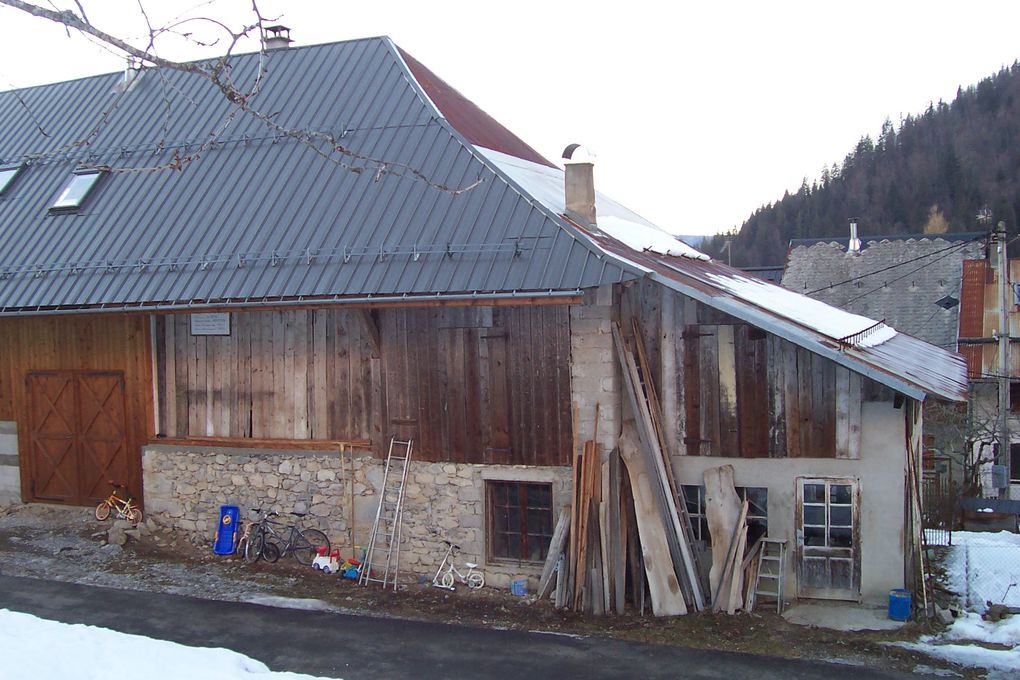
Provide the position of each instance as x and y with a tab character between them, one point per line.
261	216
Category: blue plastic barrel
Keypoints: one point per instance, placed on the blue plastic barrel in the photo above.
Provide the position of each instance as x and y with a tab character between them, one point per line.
519	587
226	532
899	604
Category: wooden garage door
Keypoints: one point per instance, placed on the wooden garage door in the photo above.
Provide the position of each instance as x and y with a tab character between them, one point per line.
77	435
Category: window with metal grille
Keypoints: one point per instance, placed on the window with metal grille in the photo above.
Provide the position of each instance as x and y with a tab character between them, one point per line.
757	511
520	520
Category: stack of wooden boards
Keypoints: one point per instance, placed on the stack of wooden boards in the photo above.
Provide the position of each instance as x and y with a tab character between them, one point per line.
628	524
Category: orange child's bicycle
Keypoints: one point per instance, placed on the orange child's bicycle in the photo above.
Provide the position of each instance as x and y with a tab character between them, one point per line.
125	509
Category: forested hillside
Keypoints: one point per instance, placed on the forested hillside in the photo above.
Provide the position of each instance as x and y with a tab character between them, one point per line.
933	172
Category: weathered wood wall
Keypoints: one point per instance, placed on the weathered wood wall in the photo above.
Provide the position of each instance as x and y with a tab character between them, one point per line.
730	389
83	343
471	384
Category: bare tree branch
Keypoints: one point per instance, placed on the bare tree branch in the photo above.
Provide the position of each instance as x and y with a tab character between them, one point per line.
217	72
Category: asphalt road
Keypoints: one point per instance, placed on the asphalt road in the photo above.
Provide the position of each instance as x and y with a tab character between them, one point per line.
356	647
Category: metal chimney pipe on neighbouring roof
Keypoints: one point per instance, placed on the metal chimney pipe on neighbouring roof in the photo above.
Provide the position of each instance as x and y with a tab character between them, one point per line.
579	183
854	245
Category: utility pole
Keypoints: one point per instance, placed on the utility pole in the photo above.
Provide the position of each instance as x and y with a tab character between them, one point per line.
1004	365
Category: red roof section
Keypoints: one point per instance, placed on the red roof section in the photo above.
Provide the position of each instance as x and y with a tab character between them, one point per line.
479	127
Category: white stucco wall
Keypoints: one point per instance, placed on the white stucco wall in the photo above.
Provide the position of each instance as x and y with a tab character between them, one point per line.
880	474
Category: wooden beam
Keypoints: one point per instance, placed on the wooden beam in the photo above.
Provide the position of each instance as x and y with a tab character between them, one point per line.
248	443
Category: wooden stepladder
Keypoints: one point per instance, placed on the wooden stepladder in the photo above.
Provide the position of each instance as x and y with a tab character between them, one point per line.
771	564
382	559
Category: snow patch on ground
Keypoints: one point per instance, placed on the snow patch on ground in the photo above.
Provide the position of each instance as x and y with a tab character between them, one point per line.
90	653
827	320
980	567
304	603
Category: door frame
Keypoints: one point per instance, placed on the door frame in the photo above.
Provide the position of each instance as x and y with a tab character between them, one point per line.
804	551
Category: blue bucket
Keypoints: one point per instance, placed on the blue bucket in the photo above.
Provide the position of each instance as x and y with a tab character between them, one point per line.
899	604
519	587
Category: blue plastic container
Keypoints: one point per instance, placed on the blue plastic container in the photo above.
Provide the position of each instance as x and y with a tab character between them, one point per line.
226	533
519	587
899	604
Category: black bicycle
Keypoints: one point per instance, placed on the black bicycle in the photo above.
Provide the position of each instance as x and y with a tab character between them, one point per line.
268	539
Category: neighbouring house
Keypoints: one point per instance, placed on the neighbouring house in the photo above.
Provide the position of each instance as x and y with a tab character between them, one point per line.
220	334
978	338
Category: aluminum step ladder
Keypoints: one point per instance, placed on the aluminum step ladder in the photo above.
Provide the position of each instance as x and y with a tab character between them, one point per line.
771	566
382	559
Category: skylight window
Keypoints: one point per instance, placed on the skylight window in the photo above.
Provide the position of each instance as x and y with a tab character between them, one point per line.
77	190
7	175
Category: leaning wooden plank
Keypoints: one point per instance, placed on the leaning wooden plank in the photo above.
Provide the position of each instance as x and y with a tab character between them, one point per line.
667	597
555	550
733	594
722	511
680	549
617	546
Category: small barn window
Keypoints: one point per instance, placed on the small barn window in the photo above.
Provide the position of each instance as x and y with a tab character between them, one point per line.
757	498
77	190
520	520
7	175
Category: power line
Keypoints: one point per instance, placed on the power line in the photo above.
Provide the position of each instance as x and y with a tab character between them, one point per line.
955	246
912	271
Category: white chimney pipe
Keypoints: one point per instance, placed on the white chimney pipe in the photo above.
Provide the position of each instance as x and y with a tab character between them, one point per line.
854	246
579	184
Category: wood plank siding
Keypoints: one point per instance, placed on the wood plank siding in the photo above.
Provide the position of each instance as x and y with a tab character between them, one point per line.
739	391
80	351
471	384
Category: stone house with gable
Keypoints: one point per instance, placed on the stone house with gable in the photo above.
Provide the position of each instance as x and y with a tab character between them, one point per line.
221	334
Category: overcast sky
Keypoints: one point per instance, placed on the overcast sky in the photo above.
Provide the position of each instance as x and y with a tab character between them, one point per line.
698	114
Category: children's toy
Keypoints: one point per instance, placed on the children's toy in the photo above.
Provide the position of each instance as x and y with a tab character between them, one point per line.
351	569
327	563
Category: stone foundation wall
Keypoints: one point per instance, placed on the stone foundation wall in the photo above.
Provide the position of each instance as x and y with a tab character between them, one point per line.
184	489
10	470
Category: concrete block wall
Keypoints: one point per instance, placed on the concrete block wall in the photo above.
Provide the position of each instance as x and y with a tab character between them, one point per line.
594	369
10	469
184	488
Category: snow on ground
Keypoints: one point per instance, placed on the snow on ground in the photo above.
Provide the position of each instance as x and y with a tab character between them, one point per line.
305	603
981	567
49	650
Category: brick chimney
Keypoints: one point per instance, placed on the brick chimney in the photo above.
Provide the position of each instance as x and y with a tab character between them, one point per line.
579	184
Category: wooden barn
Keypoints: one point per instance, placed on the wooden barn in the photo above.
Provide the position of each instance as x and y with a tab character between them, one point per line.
255	328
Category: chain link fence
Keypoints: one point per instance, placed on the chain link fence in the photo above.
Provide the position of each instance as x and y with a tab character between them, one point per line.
985	567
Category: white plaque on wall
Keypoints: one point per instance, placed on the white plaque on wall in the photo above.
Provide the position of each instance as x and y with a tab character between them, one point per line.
210	324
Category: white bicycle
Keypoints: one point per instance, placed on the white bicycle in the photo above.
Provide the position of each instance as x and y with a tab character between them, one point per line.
448	573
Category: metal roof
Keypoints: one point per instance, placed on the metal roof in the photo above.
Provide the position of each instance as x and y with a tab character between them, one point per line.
261	217
906	364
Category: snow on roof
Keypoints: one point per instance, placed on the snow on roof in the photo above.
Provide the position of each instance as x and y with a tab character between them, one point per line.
828	320
545	184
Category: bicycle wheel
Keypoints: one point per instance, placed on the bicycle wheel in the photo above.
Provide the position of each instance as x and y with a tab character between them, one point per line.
134	515
308	546
475	580
447	580
103	511
253	548
270	551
